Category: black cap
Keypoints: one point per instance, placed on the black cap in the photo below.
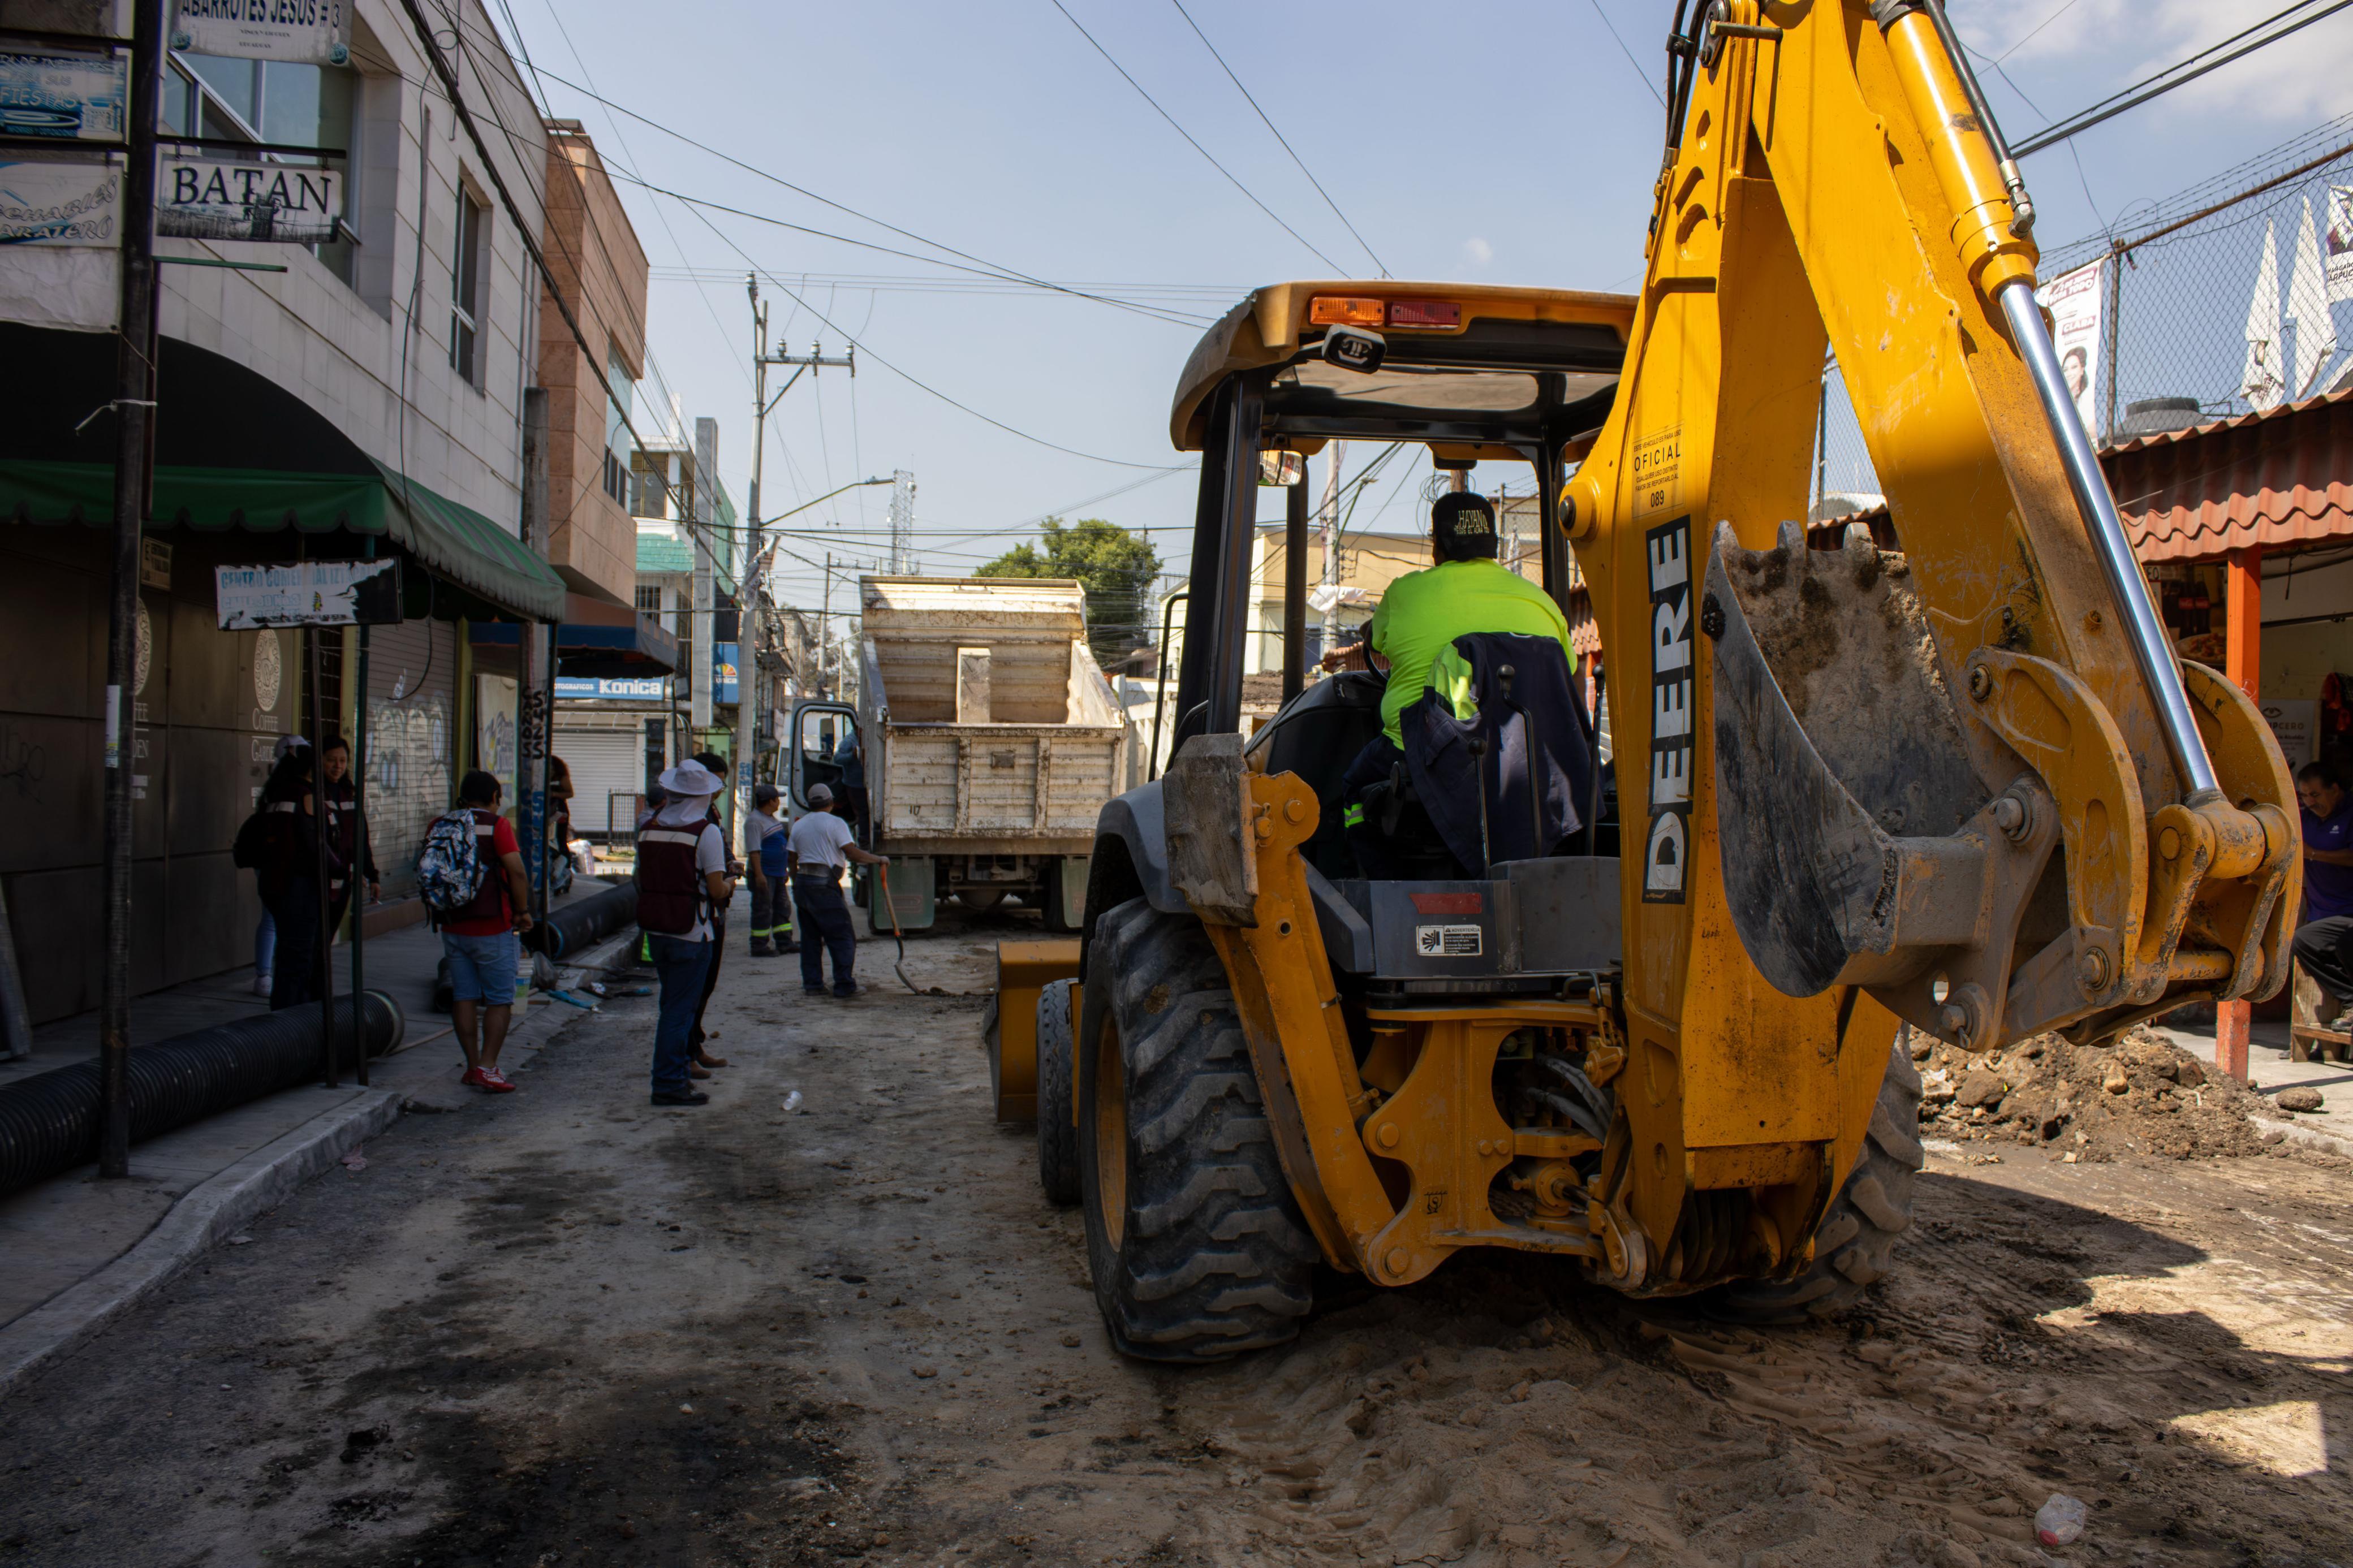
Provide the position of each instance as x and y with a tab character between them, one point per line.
1463	522
763	793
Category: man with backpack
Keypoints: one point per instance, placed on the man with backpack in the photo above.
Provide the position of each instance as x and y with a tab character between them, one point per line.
682	877
470	874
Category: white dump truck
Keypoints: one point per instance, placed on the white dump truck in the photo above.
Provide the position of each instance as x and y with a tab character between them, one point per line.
987	739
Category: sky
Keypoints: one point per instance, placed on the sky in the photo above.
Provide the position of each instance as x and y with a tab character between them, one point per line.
1489	141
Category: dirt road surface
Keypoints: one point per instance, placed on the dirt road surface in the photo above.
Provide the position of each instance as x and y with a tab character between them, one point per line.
566	1328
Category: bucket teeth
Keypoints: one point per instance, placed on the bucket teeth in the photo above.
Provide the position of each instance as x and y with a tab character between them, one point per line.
1792	539
1860	549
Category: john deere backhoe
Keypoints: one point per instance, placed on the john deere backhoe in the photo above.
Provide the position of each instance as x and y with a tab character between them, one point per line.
1964	784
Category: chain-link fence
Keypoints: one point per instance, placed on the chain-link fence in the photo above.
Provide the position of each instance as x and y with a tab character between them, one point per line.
2220	301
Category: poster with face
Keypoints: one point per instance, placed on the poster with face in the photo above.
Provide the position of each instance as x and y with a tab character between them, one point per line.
2337	244
2075	302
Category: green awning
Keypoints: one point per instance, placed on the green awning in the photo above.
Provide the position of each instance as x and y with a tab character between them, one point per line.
452	541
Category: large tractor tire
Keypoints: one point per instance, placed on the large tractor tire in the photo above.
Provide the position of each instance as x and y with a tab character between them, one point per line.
1058	1134
1857	1237
1195	1241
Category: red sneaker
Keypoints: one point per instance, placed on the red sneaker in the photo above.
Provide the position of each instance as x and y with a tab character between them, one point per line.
473	1079
496	1081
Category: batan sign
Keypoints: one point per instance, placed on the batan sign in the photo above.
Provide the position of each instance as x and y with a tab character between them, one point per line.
309	32
200	198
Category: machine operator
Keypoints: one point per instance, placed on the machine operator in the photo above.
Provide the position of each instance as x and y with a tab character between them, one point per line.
1420	616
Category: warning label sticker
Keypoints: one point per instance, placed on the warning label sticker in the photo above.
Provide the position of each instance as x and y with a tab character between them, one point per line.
1447	942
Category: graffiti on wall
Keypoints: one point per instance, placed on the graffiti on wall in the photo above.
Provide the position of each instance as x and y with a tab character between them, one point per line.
408	781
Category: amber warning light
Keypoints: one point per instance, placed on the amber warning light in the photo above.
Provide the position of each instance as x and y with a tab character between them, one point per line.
1346	310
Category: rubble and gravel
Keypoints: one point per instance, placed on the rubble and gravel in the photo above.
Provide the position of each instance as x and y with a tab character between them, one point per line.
2139	1094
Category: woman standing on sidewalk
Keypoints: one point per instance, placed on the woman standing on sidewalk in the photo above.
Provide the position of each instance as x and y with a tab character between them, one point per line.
345	842
681	877
288	879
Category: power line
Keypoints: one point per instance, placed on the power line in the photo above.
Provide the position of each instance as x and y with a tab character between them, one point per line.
1622	50
1279	135
989	267
2180	74
2067	7
906	376
1196	147
1156	313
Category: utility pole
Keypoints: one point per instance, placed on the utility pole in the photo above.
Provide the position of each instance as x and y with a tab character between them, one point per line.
752	620
825	628
134	405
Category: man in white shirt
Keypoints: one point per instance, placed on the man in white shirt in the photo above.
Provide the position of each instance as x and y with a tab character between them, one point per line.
821	847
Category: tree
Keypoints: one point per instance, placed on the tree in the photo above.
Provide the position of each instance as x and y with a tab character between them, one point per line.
1116	567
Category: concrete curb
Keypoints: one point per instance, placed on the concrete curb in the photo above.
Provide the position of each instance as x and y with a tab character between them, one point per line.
204	1216
2313	1138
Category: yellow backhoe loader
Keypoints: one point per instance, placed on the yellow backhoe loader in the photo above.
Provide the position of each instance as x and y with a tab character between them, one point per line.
1963	786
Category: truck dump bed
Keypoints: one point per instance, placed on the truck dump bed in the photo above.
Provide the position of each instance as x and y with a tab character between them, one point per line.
989	728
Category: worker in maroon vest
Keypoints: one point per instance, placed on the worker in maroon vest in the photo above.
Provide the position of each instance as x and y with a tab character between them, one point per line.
681	879
480	940
346	845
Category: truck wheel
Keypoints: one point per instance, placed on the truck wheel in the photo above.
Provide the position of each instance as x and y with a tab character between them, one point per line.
1858	1232
1196	1245
1058	1136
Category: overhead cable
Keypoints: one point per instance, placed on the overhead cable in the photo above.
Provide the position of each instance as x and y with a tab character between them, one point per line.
1279	136
988	268
2180	74
1196	146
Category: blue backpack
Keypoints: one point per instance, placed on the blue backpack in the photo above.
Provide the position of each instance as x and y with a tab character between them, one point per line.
449	863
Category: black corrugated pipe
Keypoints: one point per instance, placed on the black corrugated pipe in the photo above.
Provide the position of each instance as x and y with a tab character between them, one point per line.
49	1122
583	923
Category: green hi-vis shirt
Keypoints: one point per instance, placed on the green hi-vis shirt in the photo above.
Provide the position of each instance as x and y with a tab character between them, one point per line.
1424	611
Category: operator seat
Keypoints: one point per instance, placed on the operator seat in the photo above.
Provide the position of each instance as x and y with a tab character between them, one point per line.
1500	749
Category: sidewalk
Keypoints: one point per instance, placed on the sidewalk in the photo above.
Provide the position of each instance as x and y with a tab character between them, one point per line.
2270	1071
80	1249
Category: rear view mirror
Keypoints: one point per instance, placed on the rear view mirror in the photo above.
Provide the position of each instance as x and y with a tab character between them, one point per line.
1280	467
1353	348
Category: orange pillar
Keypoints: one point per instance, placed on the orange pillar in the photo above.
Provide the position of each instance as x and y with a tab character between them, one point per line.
2242	633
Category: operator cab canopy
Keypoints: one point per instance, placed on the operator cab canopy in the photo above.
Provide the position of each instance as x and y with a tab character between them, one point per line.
1475	373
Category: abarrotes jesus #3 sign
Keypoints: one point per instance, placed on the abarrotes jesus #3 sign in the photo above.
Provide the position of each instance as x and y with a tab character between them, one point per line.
308	594
204	199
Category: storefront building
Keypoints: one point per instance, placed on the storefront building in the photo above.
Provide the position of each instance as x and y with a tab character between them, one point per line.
364	402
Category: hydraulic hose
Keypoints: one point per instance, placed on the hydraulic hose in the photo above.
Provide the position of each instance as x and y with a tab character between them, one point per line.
49	1122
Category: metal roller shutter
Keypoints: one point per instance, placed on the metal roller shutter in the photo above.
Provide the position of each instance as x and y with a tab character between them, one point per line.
412	707
602	762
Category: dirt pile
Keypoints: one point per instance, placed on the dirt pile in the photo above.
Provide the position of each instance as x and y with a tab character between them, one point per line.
2139	1094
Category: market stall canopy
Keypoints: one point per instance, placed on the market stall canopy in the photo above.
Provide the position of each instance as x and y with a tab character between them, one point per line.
596	640
452	541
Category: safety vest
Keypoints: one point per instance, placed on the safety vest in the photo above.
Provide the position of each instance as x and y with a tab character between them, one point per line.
672	894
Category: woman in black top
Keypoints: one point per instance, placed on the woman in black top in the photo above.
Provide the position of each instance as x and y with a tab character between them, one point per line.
288	876
344	844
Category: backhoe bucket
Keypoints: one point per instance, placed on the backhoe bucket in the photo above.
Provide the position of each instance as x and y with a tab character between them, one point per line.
1860	845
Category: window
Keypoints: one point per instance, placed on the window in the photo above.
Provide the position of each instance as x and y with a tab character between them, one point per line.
616	429
465	288
649	600
273	100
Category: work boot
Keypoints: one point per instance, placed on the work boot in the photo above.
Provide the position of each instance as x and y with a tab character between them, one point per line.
762	948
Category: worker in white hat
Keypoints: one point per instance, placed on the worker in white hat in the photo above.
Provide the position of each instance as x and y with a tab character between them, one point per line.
682	879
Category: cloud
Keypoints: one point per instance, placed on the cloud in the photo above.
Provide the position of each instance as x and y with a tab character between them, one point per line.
2106	44
1477	252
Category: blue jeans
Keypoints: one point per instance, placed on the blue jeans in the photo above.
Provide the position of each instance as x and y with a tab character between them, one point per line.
681	964
483	968
825	921
265	944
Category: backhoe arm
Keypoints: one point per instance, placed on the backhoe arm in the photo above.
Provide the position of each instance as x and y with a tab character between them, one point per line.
1968	784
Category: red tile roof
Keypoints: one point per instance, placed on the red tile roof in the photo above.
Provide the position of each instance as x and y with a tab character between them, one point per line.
2281	479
